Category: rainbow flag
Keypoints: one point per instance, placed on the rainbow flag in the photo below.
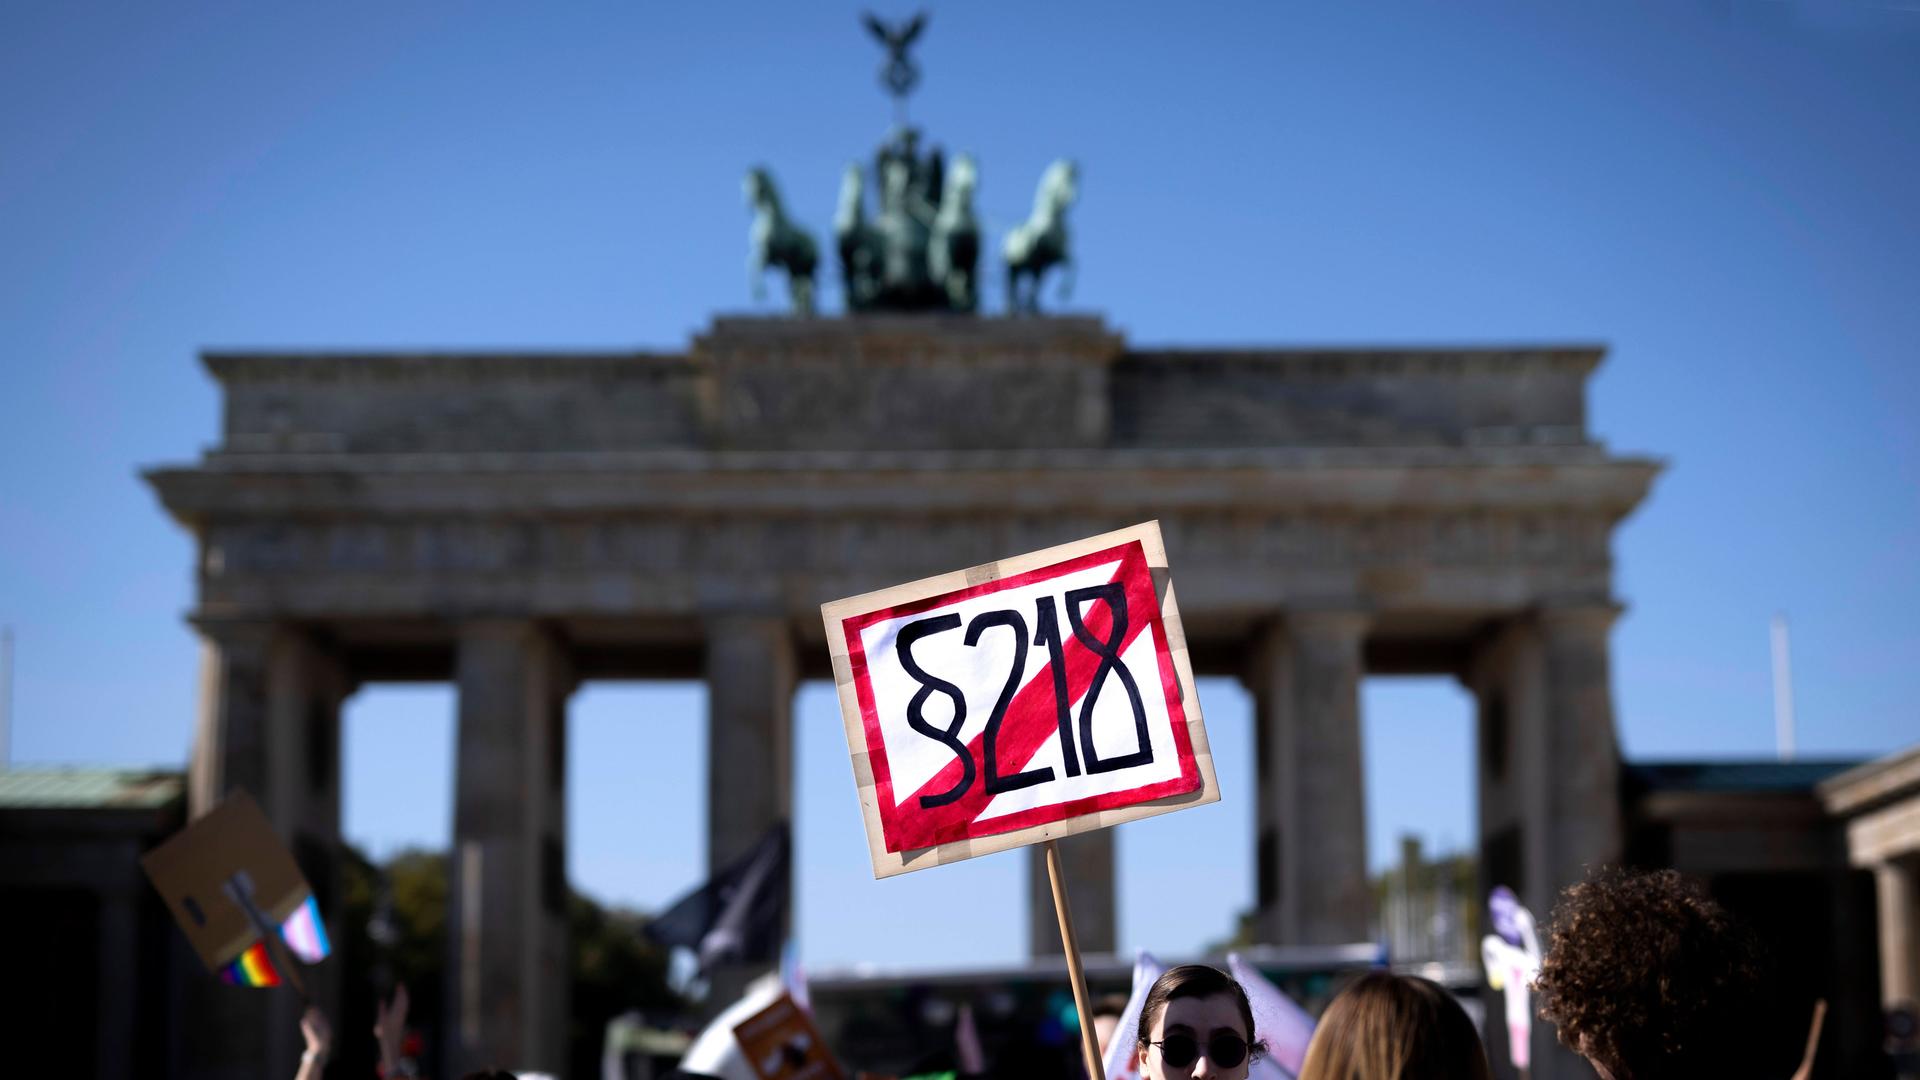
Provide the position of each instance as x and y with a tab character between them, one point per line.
251	968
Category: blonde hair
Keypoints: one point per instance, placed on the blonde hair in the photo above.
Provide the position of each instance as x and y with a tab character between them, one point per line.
1395	1027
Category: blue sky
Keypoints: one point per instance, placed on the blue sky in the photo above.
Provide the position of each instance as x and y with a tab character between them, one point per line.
1724	193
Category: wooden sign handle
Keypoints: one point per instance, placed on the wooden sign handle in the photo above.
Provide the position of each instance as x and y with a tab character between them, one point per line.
1813	1040
1089	1042
283	956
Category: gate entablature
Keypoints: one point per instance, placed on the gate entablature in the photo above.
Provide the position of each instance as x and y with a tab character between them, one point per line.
780	461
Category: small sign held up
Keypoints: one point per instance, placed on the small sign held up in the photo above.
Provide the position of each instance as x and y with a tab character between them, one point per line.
1511	956
234	889
781	1043
1019	701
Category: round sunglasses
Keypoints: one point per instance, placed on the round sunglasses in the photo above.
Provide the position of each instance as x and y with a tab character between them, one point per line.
1225	1050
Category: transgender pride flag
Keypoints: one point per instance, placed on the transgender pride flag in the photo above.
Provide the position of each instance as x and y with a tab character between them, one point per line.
305	934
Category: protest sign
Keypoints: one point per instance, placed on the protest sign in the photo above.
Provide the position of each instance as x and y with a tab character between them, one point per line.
1511	956
236	892
1019	701
781	1043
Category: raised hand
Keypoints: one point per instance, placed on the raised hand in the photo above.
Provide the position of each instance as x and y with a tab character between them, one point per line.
319	1034
390	1027
313	1024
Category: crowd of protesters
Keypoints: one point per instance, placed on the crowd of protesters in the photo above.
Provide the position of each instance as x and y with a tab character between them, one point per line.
1645	976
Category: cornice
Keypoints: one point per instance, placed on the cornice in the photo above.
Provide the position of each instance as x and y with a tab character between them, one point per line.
1874	784
1077	459
274	366
909	483
1349	362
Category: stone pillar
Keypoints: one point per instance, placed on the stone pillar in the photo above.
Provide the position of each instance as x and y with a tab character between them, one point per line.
1582	753
1554	808
1897	889
1550	762
1312	839
120	975
269	724
751	673
230	735
1505	678
506	878
1087	860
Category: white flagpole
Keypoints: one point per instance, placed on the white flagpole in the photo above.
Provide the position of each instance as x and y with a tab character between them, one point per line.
1782	689
6	698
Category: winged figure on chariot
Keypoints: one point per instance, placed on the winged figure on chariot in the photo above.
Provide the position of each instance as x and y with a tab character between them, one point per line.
916	245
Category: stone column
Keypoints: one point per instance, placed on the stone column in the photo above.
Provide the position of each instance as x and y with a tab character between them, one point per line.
270	725
1087	860
1545	679
308	687
751	673
507	884
230	735
121	974
1582	753
1516	772
1505	677
1312	840
1897	889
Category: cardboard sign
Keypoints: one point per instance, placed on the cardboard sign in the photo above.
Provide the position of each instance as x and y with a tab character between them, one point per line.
781	1043
1020	701
211	870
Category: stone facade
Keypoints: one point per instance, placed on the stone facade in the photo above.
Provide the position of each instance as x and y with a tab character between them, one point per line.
514	523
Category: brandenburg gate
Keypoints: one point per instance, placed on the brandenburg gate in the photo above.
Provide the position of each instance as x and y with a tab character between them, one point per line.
516	523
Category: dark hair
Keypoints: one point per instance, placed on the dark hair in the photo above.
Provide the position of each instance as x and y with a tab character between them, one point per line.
1648	976
1114	1005
1192	981
1395	1027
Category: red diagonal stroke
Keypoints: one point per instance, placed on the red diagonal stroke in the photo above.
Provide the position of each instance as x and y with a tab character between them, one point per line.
1031	717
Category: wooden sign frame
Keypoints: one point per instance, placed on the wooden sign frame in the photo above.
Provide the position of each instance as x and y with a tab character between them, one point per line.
835	614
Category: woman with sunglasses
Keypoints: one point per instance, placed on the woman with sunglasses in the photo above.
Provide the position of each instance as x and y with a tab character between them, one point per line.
1394	1027
1196	1022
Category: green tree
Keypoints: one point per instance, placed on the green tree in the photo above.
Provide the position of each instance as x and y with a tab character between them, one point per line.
613	968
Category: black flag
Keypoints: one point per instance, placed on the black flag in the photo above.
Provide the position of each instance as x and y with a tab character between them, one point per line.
740	916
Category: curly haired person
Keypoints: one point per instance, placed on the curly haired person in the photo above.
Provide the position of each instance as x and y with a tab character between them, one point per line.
1648	978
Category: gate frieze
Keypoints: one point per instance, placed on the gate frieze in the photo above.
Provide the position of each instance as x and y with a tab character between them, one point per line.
641	564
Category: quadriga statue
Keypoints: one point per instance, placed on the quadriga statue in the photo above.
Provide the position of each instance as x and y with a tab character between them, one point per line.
1040	244
856	241
953	256
776	242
